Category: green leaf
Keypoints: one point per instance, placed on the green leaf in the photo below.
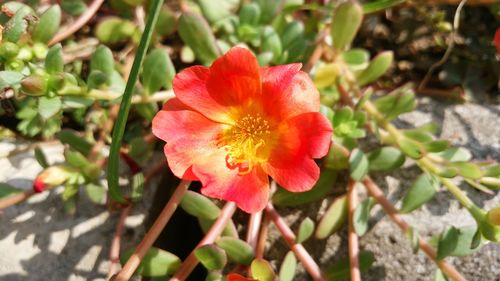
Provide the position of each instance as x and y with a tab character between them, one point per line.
377	67
215	276
269	10
237	250
17	25
448	242
421	191
96	193
73	7
336	158
436	146
456	154
492	171
199	206
342	115
167	21
9	79
358	163
196	33
440	276
467	170
250	14
271	42
114	30
285	198
74	141
229	229
347	19
211	256
54	61
40	158
464	242
306	229
288	267
411	148
333	219
356	59
341	270
75	159
156	262
262	270
292	33
7	190
326	75
121	121
362	215
102	61
48	107
380	5
158	71
216	10
386	159
399	101
48	24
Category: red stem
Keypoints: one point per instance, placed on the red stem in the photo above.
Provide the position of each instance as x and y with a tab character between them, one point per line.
148	240
307	261
191	261
352	202
114	253
391	211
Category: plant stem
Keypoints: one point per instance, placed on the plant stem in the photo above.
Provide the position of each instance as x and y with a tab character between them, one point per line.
114	252
79	23
261	244
391	211
16	198
307	261
253	229
113	162
191	261
148	240
352	202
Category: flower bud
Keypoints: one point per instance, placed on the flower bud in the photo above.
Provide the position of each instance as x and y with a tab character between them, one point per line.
34	85
51	177
494	216
8	50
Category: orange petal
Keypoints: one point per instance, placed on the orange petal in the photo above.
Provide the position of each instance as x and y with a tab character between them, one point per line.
190	88
235	78
301	139
189	135
250	191
288	92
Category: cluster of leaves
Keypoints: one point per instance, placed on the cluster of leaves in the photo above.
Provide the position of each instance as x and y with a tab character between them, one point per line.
54	85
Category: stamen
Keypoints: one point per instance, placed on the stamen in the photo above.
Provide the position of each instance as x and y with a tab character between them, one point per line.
243	142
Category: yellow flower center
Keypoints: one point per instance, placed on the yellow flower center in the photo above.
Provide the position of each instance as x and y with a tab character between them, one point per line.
247	142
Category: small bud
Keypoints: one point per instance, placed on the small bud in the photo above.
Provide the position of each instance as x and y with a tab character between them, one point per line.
51	177
8	50
34	85
494	216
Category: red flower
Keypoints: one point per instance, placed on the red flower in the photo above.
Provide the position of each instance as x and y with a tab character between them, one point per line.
237	277
497	40
233	124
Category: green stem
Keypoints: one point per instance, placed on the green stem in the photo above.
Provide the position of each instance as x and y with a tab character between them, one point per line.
119	129
425	163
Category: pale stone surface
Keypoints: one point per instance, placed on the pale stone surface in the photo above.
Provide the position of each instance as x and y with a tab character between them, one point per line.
40	241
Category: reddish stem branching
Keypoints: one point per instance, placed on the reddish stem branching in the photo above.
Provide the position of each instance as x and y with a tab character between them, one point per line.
391	211
114	252
151	236
191	261
352	202
305	258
